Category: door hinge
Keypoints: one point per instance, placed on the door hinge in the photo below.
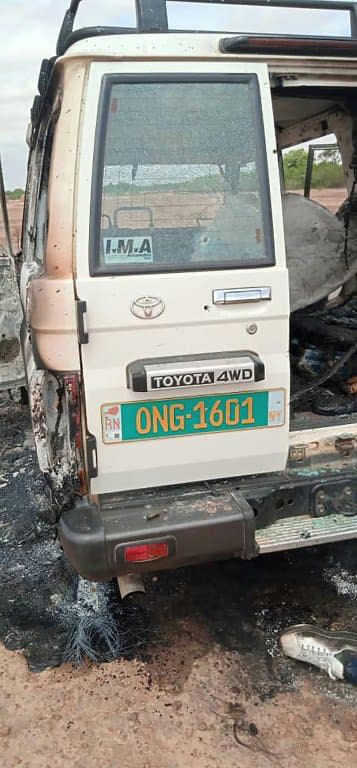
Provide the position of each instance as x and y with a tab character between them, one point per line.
91	450
81	309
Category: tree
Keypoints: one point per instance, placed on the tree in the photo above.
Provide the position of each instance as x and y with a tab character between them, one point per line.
15	194
332	155
327	170
295	168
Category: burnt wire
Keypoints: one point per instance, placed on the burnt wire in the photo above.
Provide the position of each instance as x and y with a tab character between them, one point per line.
102	627
95	637
325	376
347	217
351	199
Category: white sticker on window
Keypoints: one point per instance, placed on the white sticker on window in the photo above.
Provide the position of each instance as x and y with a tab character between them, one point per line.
127	250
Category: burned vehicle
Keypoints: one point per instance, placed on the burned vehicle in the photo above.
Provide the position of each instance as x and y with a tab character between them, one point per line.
190	325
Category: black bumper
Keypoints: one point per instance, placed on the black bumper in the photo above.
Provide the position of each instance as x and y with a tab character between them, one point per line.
199	527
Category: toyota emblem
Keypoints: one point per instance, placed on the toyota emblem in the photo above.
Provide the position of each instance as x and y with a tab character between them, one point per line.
147	307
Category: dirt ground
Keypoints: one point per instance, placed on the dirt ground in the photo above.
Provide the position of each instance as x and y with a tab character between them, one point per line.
187	210
152	715
331	198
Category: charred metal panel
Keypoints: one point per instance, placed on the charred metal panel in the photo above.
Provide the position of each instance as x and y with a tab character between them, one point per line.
320	451
56	420
11	362
339	496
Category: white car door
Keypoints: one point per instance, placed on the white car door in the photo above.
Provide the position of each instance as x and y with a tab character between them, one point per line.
181	274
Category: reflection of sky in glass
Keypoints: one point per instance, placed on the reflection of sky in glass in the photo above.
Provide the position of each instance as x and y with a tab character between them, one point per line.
157	174
161	174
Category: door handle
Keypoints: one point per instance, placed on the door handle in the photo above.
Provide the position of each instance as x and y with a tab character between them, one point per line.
237	295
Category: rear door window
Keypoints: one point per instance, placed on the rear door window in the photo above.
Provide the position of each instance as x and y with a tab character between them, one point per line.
180	177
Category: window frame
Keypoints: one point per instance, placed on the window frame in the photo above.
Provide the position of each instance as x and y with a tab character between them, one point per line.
98	270
36	183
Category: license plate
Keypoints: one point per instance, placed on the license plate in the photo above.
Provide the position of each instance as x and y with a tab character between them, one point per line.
154	419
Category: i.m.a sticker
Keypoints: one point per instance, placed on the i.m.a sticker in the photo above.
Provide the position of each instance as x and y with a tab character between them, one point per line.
127	250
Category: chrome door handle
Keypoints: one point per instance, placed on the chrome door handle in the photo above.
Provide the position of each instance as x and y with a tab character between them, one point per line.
237	295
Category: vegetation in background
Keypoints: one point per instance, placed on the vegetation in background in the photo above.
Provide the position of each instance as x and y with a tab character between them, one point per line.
327	173
327	170
208	183
199	184
14	194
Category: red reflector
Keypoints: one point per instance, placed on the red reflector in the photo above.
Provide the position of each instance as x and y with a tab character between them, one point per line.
139	553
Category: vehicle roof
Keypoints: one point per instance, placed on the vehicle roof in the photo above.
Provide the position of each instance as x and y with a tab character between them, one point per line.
189	45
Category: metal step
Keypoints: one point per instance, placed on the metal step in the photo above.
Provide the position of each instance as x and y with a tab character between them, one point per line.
305	531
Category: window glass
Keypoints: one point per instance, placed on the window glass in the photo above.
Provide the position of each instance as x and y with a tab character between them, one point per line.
182	178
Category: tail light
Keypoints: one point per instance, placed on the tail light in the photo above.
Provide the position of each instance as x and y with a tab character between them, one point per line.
147	551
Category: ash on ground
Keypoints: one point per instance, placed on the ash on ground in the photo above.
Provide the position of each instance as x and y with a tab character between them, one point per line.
237	607
343	580
46	610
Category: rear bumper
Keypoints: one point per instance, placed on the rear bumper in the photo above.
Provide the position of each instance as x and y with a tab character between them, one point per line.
209	521
199	527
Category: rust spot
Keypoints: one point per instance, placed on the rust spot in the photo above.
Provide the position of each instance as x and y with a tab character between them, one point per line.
297	452
345	445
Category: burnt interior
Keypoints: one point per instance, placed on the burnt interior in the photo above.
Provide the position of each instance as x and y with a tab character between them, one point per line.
323	335
321	338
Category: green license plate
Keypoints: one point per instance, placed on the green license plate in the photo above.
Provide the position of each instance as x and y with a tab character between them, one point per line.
153	419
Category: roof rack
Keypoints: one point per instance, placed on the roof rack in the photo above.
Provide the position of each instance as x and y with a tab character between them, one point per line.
151	16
